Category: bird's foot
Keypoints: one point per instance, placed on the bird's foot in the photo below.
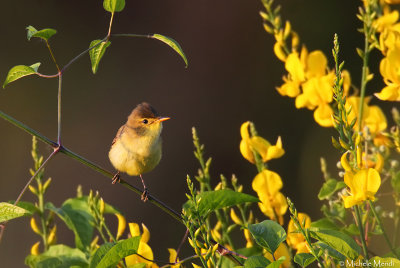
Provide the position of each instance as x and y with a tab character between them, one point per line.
116	178
145	195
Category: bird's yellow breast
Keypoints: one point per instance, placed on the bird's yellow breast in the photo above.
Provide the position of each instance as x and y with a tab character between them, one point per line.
135	154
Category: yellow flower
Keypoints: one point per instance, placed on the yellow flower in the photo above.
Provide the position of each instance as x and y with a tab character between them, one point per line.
35	249
143	250
249	240
363	186
173	257
387	20
296	75
389	68
273	203
259	144
121	225
373	116
297	240
308	71
282	250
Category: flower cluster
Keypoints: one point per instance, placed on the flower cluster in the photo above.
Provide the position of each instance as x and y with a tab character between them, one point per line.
266	183
388	27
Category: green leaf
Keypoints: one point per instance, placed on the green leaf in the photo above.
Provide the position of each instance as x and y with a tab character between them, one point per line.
277	263
120	250
173	44
248	252
213	200
304	259
256	262
100	253
331	252
9	211
351	230
114	5
60	256
76	215
324	223
19	71
268	234
329	188
44	34
30	207
384	262
338	241
97	52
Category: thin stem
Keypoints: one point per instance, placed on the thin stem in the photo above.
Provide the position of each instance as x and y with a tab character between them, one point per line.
378	219
47	76
52	55
133	35
360	228
363	84
81	54
109	27
367	32
62	149
59	108
34	175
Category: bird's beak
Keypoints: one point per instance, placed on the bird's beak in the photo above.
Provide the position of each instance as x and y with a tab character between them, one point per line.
160	119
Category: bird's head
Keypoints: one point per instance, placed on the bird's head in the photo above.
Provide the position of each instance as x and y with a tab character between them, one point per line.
144	120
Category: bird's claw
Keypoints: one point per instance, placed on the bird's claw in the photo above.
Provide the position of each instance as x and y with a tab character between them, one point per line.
145	195
116	178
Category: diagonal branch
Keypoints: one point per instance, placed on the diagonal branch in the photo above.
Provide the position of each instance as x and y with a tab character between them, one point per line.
106	173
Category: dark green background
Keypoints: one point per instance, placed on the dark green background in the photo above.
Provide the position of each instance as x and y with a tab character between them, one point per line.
231	78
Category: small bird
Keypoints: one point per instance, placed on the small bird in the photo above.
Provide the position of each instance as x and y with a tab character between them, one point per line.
136	149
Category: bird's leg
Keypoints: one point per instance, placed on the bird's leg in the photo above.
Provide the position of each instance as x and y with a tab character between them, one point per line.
116	178
145	191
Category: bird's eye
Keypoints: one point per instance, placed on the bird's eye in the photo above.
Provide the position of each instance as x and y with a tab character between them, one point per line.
145	121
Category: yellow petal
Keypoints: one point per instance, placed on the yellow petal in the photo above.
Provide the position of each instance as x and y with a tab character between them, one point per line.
389	93
121	225
196	266
35	227
244	130
295	67
52	238
267	183
249	240
281	251
146	234
316	64
261	146
323	115
275	151
280	204
279	52
35	249
374	180
289	88
173	257
134	229
246	152
375	120
345	163
350	201
235	217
